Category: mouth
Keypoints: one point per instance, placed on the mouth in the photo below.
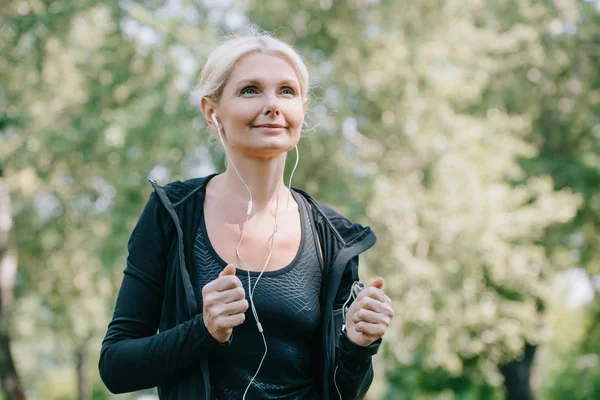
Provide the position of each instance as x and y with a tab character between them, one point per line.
270	126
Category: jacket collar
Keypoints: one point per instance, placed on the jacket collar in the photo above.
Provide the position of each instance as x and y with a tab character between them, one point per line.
345	231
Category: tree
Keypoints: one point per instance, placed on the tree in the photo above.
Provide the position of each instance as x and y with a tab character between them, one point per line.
102	111
461	131
11	382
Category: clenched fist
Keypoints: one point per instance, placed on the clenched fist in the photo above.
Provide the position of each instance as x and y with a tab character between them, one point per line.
224	304
370	315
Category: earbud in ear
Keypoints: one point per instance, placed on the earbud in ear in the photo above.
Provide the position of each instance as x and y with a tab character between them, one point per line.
214	118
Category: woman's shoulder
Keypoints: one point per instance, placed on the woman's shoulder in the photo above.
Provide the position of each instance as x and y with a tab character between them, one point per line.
324	208
179	191
347	229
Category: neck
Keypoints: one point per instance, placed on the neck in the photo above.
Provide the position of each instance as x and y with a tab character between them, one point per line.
264	178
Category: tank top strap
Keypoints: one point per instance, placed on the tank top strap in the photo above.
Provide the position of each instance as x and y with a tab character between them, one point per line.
310	231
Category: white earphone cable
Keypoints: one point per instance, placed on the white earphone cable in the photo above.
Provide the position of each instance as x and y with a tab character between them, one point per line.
271	247
249	210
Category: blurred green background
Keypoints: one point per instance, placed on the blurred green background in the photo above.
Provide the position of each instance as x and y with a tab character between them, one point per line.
466	133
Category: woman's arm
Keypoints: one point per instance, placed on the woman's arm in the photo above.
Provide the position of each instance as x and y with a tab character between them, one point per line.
133	355
353	368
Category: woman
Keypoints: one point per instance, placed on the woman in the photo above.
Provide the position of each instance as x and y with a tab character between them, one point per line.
246	280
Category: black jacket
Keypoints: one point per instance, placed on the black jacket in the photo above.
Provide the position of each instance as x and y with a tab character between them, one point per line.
157	294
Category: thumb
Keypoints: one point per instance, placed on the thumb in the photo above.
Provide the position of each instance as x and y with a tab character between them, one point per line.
228	270
378	283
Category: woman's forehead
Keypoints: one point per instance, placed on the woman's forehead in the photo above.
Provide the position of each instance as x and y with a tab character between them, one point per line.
258	67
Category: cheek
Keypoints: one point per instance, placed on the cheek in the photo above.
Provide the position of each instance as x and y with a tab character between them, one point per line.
294	114
240	113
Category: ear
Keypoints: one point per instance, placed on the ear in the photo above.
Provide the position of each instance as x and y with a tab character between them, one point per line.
208	109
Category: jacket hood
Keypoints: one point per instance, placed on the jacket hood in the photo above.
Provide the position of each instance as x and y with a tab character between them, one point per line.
346	231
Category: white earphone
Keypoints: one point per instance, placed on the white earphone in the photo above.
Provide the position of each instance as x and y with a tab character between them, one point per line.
248	213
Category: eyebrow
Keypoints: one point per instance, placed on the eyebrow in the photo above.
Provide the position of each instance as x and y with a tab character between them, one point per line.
257	82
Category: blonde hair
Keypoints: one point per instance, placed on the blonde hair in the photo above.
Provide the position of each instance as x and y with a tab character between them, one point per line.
223	59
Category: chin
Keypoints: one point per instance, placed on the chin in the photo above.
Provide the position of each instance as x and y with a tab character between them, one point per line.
269	150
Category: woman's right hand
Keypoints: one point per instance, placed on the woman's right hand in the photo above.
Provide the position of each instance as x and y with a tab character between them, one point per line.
224	304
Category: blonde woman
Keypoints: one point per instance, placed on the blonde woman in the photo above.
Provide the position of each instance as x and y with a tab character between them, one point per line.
252	285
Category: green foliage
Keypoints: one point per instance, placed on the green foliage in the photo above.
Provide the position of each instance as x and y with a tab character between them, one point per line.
570	366
464	132
101	110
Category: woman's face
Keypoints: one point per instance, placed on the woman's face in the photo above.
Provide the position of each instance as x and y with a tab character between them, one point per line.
261	109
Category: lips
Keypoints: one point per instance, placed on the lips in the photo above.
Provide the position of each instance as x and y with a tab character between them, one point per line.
273	126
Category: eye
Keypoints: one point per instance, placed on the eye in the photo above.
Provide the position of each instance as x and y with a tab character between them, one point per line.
249	90
288	90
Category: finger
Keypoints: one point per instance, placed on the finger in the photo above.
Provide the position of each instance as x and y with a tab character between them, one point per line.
222	283
226	282
228	270
372	304
235	307
371	317
387	300
232	295
371	330
230	321
374	293
378	283
215	298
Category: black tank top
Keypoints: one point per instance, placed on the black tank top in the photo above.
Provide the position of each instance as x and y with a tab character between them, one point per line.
288	307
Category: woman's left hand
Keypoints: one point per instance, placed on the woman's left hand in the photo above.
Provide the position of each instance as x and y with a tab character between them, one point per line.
369	315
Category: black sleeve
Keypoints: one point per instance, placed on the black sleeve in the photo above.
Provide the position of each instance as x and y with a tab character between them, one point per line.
353	370
133	356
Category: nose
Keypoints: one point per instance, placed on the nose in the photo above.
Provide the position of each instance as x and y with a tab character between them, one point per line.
272	105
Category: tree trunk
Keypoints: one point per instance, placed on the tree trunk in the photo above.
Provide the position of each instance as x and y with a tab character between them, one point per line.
83	383
517	375
11	383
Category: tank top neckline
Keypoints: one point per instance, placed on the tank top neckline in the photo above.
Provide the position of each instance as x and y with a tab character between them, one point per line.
284	269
